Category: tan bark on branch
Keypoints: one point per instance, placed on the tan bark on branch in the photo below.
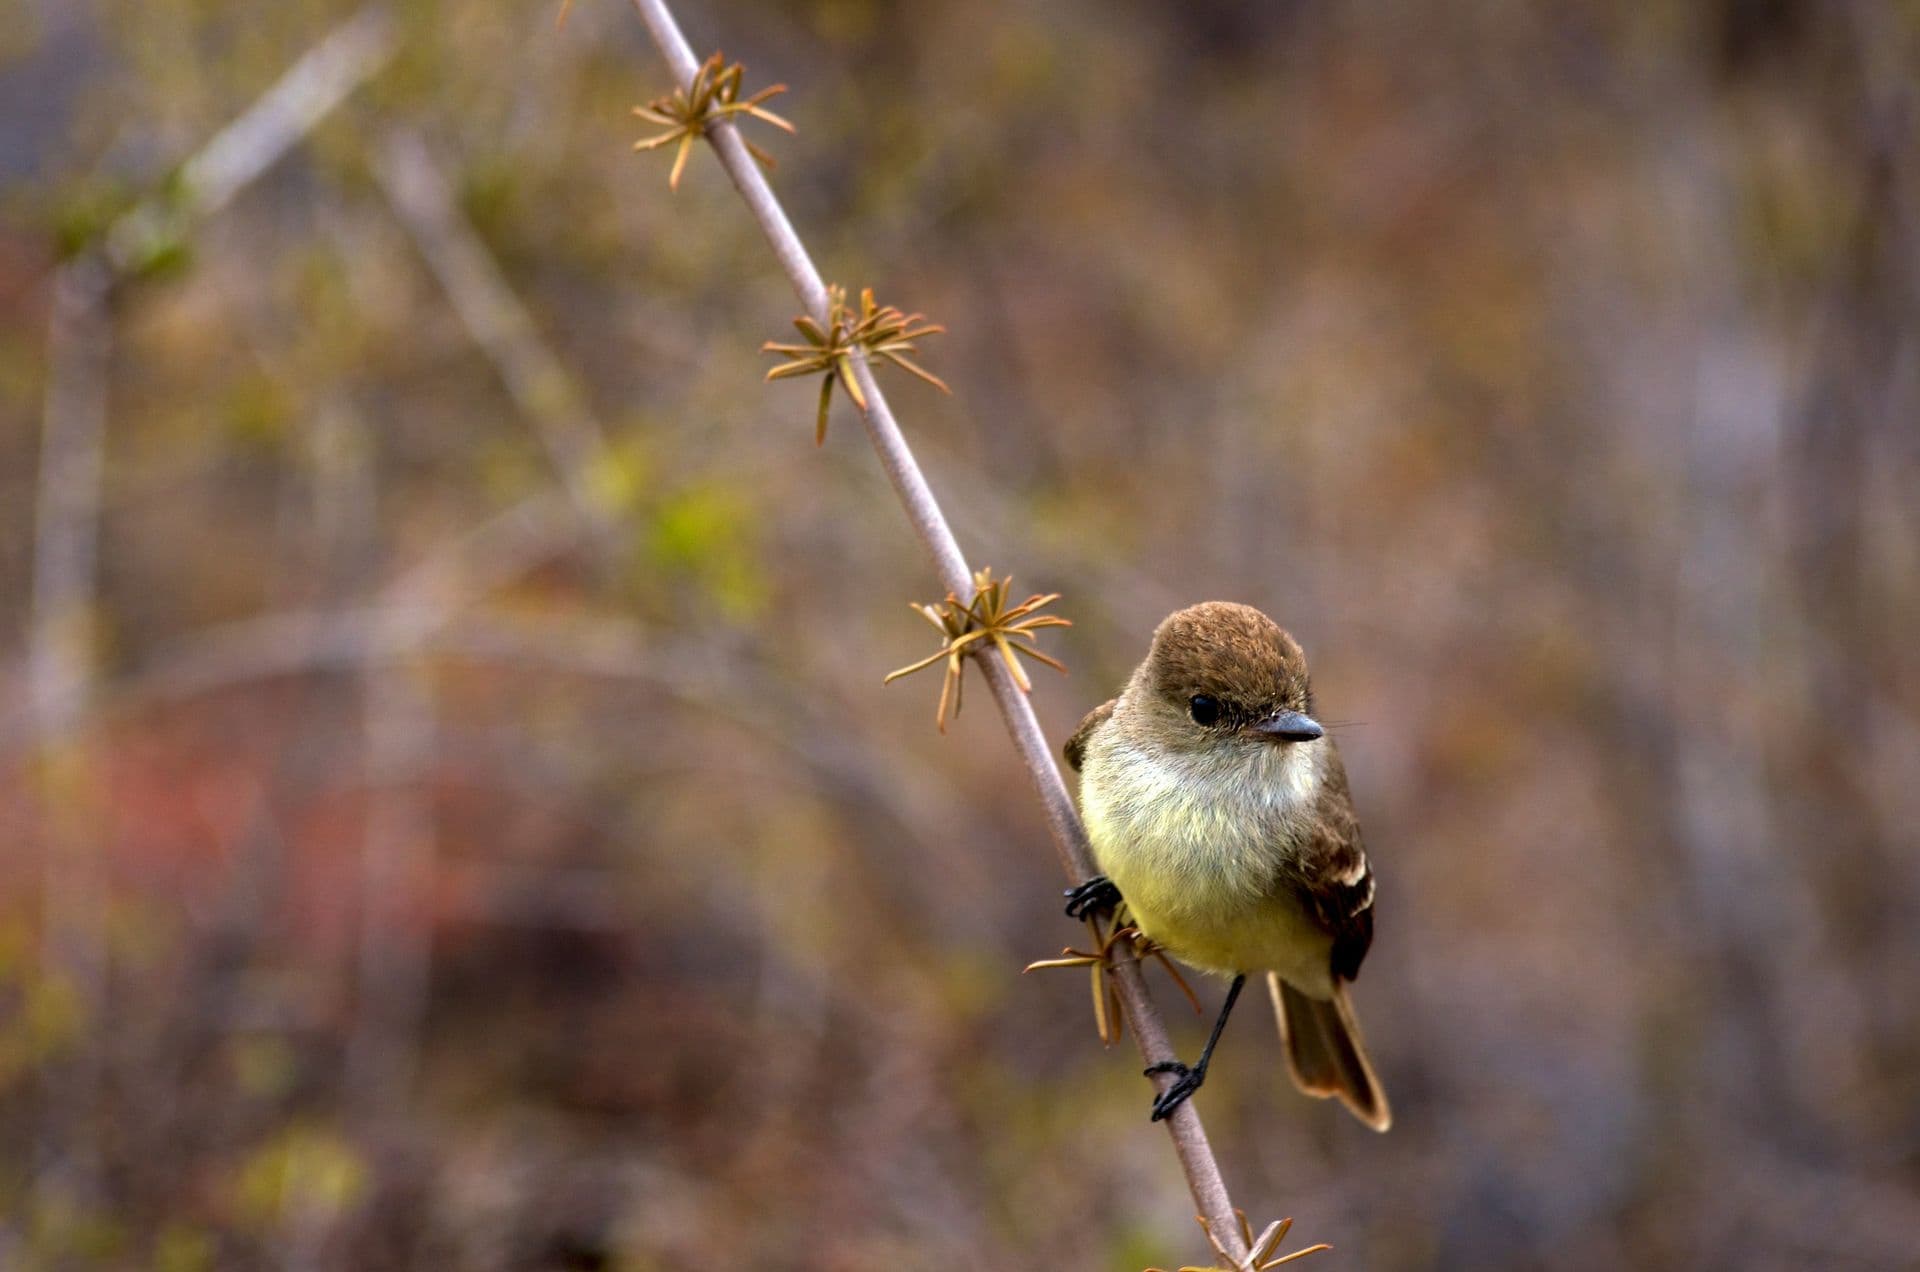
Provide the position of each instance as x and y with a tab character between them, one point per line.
950	565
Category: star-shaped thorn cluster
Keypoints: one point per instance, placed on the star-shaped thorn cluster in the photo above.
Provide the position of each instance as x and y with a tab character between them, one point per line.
1263	1254
713	96
1108	1016
882	331
989	619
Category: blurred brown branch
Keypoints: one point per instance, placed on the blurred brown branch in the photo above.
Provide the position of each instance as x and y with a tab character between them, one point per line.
499	323
924	511
396	864
288	111
61	627
60	668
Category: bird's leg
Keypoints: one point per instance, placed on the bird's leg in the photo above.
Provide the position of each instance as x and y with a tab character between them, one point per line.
1097	893
1189	1080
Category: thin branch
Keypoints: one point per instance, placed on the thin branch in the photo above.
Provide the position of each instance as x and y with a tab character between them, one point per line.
396	866
60	676
930	523
247	147
499	323
66	516
73	444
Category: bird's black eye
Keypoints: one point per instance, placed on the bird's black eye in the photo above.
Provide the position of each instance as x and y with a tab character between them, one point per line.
1203	709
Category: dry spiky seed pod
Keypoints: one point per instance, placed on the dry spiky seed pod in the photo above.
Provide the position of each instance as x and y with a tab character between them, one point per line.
688	112
968	626
881	330
1109	1019
1262	1254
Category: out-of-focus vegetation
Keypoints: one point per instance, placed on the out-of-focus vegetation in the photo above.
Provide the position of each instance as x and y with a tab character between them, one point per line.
471	831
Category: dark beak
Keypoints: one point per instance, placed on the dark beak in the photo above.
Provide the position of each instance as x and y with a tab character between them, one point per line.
1290	726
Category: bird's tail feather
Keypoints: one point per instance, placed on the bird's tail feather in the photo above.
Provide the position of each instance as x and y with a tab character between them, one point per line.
1325	1052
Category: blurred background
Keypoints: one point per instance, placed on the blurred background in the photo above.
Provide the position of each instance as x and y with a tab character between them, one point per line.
452	815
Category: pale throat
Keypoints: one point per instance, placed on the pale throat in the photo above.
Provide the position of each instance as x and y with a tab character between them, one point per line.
1249	787
1282	778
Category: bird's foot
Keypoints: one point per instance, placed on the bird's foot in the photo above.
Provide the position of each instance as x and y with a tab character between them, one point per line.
1187	1082
1096	894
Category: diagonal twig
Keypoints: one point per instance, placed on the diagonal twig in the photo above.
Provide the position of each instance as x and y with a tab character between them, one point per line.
930	524
252	143
494	315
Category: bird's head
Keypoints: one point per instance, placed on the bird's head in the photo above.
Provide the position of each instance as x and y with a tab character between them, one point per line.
1225	674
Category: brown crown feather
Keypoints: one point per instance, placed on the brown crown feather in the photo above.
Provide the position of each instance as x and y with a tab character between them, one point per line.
1230	652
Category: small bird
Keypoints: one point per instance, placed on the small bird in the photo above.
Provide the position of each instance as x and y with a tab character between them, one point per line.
1218	808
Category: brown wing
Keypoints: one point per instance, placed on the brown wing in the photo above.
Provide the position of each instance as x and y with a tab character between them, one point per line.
1335	878
1076	747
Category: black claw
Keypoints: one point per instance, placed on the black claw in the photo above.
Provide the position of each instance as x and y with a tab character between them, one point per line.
1097	893
1174	1096
1190	1079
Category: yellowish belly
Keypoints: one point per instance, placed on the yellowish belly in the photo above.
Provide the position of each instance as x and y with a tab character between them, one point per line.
1203	880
